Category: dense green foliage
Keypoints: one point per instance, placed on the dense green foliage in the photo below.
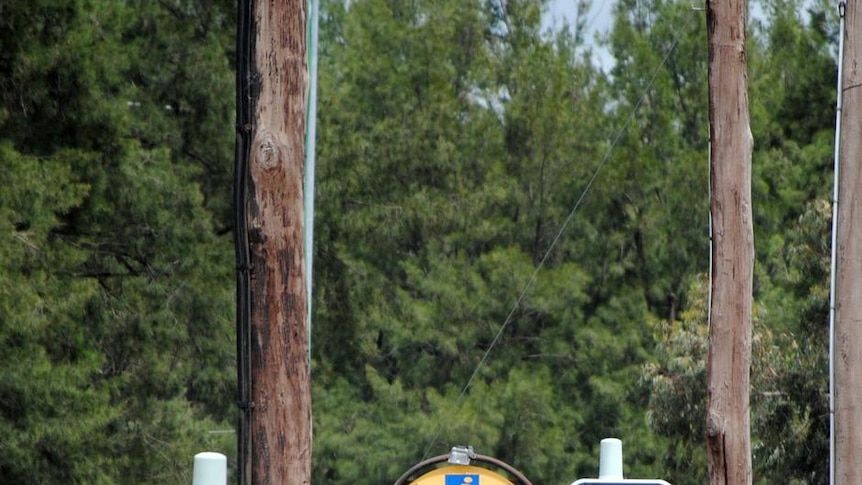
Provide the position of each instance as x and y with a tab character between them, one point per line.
116	309
511	242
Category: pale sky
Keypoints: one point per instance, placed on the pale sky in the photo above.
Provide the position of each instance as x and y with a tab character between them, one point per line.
598	22
599	16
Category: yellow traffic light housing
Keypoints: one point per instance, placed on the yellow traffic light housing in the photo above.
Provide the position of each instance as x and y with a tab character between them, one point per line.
461	475
460	470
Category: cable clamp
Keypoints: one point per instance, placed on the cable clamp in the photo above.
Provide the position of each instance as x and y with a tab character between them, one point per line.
461	455
842	5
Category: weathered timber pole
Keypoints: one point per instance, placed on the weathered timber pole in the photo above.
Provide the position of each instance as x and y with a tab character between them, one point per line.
279	407
848	278
729	361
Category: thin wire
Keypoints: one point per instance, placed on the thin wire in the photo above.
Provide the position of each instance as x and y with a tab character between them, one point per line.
568	219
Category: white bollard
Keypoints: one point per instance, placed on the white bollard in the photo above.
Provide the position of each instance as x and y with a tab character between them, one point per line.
611	459
611	467
210	469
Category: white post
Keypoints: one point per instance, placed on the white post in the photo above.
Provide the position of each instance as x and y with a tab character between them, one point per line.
210	469
611	467
611	459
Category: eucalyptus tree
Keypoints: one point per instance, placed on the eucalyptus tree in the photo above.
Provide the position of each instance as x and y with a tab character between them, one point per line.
791	71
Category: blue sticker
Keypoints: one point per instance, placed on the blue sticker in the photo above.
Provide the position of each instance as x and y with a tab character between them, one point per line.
462	479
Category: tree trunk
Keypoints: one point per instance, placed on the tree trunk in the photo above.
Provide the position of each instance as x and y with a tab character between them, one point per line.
280	375
848	284
729	361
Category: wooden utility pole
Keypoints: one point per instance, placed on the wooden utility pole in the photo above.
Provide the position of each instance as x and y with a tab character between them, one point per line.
729	362
848	279
279	431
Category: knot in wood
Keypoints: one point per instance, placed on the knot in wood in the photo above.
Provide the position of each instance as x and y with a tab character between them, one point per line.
713	424
268	153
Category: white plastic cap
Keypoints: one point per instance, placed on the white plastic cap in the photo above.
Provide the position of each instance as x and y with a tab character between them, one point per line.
210	469
611	459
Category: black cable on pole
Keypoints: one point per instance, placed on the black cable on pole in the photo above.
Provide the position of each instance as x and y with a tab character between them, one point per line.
243	309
